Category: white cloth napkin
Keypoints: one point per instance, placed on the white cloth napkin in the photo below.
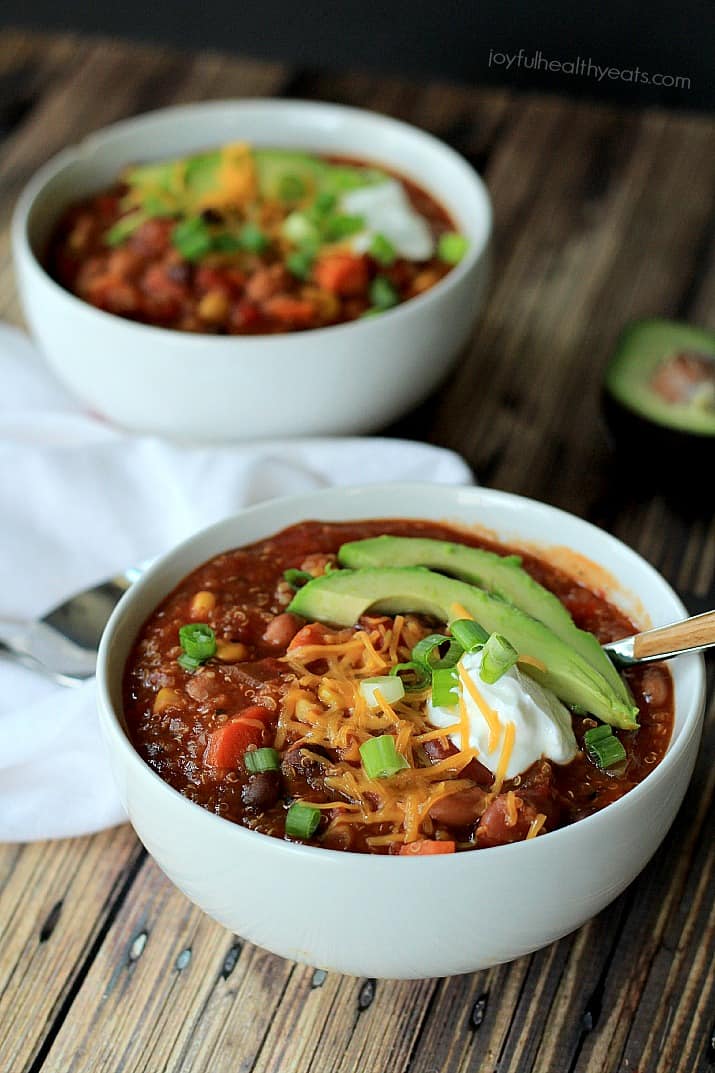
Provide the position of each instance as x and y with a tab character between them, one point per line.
79	501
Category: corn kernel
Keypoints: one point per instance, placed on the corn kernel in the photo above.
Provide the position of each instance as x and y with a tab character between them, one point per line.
214	307
231	652
202	603
166	698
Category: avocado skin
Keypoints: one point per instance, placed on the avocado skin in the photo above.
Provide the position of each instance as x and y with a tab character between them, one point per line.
501	575
654	433
342	596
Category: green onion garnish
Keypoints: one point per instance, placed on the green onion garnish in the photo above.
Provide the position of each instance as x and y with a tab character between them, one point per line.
300	262
445	687
302	820
382	294
198	641
380	758
324	203
451	247
192	238
124	227
427	652
390	688
497	657
337	227
413	675
382	250
252	239
291	188
257	760
189	663
603	747
297	578
298	228
226	243
468	634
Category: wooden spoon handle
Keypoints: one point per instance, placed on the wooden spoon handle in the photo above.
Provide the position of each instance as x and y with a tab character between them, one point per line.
691	633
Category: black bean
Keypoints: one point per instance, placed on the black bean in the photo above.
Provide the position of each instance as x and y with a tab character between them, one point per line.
262	790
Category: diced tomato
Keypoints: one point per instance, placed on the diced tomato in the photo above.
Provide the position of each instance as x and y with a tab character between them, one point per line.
227	745
292	312
314	633
427	847
342	273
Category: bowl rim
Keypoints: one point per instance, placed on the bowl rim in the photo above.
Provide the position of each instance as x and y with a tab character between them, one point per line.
111	720
70	155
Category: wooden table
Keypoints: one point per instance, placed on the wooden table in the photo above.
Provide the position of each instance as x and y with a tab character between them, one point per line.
602	215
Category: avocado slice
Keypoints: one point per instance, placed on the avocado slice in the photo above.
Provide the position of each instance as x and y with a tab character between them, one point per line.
501	575
659	400
342	596
274	166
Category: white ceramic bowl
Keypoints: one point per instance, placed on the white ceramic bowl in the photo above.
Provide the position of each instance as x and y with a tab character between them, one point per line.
347	378
396	916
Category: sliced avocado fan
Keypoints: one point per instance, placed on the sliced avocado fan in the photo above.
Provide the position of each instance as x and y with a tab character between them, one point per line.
501	575
342	596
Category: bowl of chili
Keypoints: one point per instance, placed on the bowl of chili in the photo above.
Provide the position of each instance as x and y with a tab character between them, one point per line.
237	269
282	808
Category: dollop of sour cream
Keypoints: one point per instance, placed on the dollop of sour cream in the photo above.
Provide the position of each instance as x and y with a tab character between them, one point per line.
542	725
386	210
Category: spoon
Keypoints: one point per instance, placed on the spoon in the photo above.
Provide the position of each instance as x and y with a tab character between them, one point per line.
63	643
691	635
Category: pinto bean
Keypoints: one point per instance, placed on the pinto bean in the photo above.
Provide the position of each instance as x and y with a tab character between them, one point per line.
281	630
496	828
267	282
461	809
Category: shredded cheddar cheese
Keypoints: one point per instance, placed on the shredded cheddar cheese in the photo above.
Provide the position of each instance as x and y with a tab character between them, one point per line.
536	824
504	757
490	715
532	661
459	611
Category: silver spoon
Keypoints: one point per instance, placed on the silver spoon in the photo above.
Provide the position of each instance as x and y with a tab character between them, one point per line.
63	643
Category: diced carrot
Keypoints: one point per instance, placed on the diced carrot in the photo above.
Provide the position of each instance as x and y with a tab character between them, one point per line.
427	847
294	312
342	273
227	745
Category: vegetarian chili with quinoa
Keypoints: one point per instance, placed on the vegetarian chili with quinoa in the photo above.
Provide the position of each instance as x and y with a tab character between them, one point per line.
245	241
395	687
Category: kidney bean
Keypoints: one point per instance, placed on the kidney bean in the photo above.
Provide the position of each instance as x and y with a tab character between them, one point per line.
461	809
262	790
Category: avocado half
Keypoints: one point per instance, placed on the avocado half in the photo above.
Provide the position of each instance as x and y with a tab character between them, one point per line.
659	395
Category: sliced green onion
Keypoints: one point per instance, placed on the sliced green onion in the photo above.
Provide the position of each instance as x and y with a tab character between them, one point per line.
297	578
252	239
427	652
445	687
382	294
291	188
597	734
266	759
197	640
452	247
498	655
380	758
302	820
603	747
342	226
192	238
413	675
390	688
124	227
468	634
298	228
189	663
382	250
324	203
300	262
157	206
226	243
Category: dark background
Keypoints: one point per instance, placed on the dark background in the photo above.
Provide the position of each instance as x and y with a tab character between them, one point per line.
422	38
